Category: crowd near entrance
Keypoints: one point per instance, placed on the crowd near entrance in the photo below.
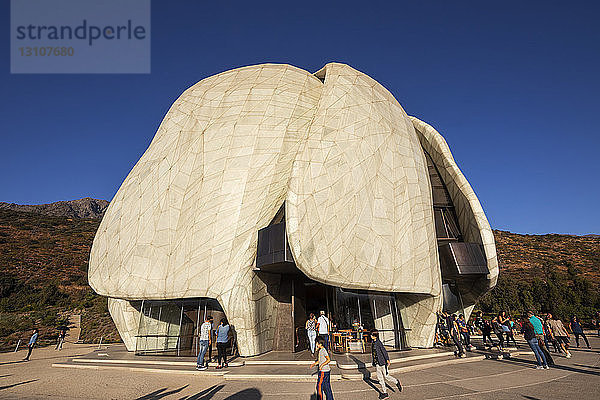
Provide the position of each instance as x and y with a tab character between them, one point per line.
351	315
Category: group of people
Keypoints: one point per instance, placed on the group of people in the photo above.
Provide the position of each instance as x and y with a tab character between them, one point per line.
502	325
62	334
207	335
551	330
317	327
453	329
539	334
380	360
317	331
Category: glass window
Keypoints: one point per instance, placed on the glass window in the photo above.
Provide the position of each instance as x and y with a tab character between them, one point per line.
171	327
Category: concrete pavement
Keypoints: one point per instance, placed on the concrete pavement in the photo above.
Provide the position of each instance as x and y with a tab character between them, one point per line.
575	378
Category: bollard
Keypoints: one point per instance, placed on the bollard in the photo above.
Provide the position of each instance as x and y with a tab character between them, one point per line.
100	343
18	343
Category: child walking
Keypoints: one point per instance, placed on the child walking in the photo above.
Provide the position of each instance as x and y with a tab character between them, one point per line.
323	360
381	362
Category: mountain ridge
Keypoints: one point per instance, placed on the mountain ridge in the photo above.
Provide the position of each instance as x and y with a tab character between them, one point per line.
44	263
86	207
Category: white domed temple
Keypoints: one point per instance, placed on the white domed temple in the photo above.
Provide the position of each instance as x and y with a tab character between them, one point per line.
269	193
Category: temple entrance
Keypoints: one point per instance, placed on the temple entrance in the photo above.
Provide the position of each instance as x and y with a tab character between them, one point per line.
352	315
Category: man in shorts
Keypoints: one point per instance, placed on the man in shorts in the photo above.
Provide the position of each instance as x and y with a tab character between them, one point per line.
560	334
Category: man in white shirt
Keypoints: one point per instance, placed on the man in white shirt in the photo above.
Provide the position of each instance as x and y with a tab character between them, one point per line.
204	341
323	323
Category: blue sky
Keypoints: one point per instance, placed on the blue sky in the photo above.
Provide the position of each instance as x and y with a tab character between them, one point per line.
513	87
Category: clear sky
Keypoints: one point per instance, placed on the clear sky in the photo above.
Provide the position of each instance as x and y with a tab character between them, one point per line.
513	86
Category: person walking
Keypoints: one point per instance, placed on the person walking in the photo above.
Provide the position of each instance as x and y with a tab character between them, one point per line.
549	337
511	329
455	335
213	335
32	341
485	328
504	322
538	327
381	362
529	334
222	340
323	328
498	331
323	377
62	333
464	332
442	329
205	341
311	332
578	331
560	334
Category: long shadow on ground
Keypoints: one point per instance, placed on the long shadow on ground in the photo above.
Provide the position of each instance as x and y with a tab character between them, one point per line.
362	367
16	384
161	393
516	361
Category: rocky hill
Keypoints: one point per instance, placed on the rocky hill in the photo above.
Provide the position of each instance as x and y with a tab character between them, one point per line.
524	257
82	208
44	253
43	277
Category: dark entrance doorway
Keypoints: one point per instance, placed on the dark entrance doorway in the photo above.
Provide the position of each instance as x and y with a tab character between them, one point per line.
351	313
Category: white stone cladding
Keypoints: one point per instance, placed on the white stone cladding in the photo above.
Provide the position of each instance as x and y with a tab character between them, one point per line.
335	147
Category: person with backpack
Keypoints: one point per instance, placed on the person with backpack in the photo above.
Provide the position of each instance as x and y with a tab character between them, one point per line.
486	329
323	328
464	332
578	331
381	362
538	328
455	335
529	335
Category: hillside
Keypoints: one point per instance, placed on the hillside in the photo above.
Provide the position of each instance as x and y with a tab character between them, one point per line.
43	277
82	208
524	256
44	261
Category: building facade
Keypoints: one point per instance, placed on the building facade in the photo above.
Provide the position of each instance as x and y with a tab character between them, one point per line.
268	193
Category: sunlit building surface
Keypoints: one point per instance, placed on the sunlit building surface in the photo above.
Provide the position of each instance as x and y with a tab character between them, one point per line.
268	193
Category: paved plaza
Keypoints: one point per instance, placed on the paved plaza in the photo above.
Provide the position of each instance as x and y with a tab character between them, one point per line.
575	378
